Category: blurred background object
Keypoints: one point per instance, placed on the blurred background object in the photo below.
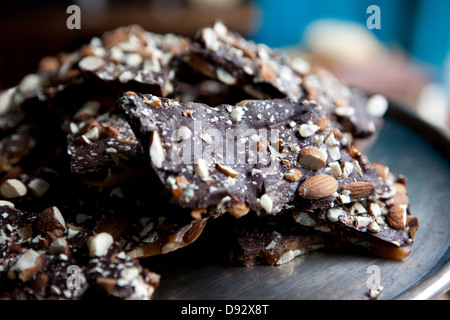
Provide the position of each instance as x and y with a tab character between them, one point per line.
407	58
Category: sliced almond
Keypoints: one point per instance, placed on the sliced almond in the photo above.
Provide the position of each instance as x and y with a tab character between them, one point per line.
359	189
318	187
154	102
228	170
311	158
244	102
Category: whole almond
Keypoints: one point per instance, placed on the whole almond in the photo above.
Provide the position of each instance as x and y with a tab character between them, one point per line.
318	187
397	217
311	158
359	189
323	124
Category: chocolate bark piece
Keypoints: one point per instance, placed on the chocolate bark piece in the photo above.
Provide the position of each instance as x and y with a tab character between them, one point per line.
126	58
260	71
68	262
352	109
23	101
104	151
192	150
274	240
17	145
383	225
265	73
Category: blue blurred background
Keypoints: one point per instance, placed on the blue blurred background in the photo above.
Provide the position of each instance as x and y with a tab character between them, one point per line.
421	27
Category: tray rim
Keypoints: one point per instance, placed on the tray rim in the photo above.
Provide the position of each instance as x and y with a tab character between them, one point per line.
436	282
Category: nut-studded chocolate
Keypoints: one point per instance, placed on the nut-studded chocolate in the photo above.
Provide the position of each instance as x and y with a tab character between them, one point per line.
268	133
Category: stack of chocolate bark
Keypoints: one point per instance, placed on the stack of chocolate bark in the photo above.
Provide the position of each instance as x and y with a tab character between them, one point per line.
130	146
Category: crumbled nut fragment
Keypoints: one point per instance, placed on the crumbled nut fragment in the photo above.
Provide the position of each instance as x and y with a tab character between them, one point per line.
374	209
357	208
377	105
50	219
323	124
374	227
335	169
293	175
236	114
154	102
304	219
182	133
344	111
93	133
307	129
38	186
26	266
225	77
363	222
13	188
266	203
99	244
91	63
58	246
157	155
201	168
228	170
333	214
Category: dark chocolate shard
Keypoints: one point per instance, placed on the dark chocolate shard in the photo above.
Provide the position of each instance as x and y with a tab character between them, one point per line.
68	263
265	73
238	158
104	151
260	71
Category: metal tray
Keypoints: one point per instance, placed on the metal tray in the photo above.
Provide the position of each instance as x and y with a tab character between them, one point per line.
407	145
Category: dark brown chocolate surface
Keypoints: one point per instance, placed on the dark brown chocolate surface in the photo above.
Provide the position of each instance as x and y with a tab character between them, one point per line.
254	177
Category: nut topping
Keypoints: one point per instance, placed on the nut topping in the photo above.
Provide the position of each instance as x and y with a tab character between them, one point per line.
49	220
318	187
293	175
26	266
13	188
397	217
311	158
99	244
359	189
